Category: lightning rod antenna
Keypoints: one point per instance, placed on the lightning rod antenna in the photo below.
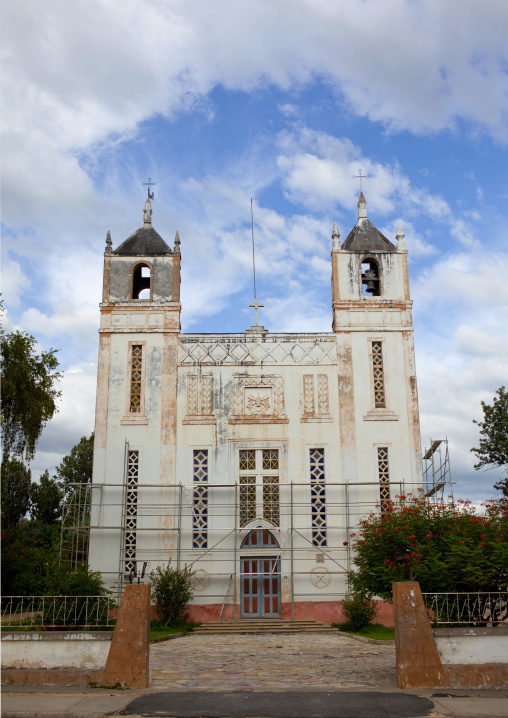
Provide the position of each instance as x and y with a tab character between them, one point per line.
253	255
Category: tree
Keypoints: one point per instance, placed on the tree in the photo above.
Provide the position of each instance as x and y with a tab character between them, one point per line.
171	592
29	396
46	500
446	547
76	467
493	449
16	484
28	550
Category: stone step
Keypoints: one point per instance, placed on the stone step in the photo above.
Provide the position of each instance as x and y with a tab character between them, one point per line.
263	625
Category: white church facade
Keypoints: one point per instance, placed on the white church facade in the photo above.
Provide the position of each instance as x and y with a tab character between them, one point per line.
250	456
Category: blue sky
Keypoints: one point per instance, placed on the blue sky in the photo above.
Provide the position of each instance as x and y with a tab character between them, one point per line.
282	102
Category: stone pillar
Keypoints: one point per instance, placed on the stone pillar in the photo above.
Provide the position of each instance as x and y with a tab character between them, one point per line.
128	659
418	661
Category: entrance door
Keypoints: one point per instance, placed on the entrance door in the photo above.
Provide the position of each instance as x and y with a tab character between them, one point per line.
260	586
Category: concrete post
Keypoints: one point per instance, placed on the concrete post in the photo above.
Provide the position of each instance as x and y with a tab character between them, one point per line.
128	659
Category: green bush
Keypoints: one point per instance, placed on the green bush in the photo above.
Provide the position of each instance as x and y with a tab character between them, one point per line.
62	581
171	592
445	547
359	609
27	550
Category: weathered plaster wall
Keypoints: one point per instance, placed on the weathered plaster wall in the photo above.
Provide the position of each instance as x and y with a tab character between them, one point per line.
88	651
120	281
419	664
472	645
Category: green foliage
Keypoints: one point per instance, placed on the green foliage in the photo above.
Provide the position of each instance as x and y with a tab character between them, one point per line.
159	630
444	547
61	580
373	630
27	550
46	500
16	492
493	449
76	467
359	609
28	392
171	592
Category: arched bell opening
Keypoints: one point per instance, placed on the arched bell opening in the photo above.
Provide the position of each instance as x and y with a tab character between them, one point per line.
371	278
142	282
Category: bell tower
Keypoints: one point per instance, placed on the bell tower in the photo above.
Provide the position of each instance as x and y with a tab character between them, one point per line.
377	377
135	417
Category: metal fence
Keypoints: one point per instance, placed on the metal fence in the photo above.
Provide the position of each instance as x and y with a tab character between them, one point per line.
64	612
467	609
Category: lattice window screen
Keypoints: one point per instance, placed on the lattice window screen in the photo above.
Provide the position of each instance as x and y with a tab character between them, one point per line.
131	510
378	374
317	496
136	374
384	476
200	499
247	499
271	503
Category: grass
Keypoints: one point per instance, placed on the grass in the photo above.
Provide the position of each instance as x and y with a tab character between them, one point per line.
159	630
374	630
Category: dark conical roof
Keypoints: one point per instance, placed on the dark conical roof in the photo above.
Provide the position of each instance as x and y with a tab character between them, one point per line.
364	237
144	242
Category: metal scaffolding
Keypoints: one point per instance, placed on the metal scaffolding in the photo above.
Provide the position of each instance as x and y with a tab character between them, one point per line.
437	477
165	527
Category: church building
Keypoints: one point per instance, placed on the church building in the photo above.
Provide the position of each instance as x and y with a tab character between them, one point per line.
250	457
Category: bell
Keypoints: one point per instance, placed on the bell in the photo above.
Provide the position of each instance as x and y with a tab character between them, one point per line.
370	286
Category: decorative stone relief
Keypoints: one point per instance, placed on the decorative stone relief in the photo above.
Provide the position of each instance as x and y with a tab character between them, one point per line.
206	394
200	580
258	402
309	399
303	351
320	577
308	394
258	398
192	395
199	400
323	402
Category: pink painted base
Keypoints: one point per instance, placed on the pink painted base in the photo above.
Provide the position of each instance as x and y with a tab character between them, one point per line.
324	611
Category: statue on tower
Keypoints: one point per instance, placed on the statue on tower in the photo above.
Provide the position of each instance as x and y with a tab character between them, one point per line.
147	212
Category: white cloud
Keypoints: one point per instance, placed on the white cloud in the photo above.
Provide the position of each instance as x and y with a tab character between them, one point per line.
461	330
81	75
14	282
75	418
464	233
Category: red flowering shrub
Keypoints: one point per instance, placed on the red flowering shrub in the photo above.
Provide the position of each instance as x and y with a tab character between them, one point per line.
428	549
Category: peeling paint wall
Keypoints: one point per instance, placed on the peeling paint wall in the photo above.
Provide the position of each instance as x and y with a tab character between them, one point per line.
200	392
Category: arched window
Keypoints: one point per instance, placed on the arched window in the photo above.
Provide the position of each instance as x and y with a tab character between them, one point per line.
260	538
141	282
371	281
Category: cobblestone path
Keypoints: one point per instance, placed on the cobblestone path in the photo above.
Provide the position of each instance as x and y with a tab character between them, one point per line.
270	663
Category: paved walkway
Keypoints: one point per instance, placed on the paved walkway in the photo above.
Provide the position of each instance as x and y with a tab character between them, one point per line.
330	661
271	676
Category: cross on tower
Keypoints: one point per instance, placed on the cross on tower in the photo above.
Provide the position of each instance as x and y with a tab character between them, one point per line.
256	305
360	177
148	185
